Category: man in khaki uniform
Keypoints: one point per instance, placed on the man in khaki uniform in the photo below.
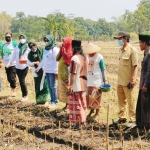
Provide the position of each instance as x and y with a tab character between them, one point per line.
128	61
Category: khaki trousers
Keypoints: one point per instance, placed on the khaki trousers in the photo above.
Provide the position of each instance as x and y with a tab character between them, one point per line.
125	96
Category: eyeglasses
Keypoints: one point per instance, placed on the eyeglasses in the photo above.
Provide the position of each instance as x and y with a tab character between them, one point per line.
30	46
7	37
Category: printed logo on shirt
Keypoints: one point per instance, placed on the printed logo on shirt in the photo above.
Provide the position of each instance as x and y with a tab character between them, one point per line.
7	51
35	55
135	55
91	67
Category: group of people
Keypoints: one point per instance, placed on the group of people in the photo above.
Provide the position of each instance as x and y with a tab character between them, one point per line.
73	73
138	110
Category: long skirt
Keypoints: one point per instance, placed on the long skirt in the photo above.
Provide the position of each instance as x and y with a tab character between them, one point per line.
93	98
62	92
63	75
77	107
43	95
143	110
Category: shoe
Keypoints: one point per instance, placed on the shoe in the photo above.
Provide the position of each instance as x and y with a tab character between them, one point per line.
24	99
121	121
131	125
46	104
52	105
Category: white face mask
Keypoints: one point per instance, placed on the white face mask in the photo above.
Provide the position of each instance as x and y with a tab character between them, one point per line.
46	43
22	41
34	50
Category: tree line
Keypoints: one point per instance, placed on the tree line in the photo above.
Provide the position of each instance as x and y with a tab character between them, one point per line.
60	26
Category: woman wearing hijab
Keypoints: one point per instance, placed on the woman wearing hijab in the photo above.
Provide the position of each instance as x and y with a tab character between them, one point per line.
78	85
7	52
64	58
20	55
50	67
96	77
34	59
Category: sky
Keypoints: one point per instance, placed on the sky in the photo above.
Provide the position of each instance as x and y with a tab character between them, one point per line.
89	9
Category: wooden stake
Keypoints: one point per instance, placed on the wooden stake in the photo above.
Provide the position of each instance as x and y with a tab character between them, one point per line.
79	146
27	146
45	137
53	143
131	144
122	142
113	145
59	125
107	130
70	125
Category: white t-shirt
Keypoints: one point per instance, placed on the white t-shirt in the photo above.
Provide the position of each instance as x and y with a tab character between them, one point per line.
49	63
6	56
15	57
94	71
78	68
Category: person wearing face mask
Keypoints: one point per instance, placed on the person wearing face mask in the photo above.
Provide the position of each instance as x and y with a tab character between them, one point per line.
143	103
20	55
50	67
127	71
7	52
34	59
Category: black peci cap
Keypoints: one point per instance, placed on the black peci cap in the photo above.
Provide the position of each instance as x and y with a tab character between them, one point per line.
76	43
144	38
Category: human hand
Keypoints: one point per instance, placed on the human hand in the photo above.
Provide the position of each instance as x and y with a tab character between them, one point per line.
105	82
132	83
144	89
37	63
8	65
37	70
56	76
70	90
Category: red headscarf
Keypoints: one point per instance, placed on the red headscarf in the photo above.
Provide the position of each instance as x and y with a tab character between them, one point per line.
66	50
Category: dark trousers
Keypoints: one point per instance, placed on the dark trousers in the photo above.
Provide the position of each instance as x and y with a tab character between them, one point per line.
11	76
21	76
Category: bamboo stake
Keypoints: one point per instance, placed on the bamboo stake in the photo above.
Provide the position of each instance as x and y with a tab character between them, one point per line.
107	130
53	144
70	125
79	146
122	142
45	137
59	125
131	144
27	146
113	145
